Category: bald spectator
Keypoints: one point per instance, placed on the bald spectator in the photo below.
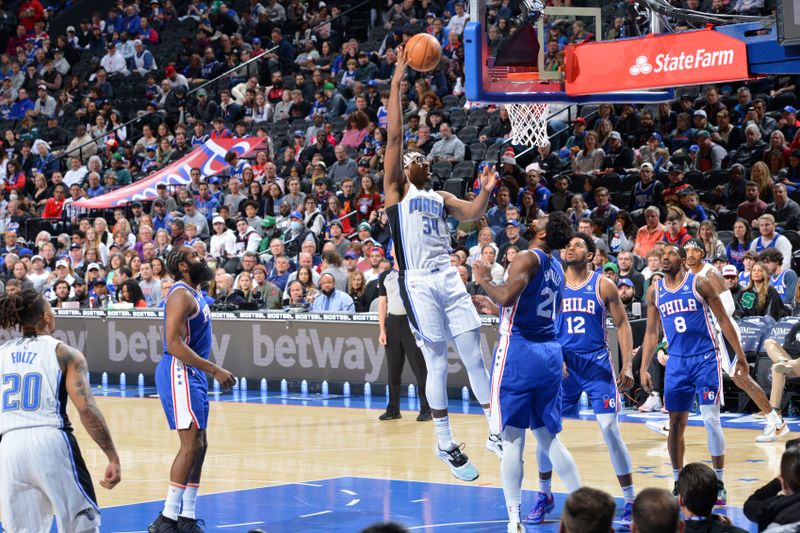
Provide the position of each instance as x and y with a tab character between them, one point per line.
331	299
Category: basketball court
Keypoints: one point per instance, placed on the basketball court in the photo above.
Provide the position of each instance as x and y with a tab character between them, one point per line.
326	463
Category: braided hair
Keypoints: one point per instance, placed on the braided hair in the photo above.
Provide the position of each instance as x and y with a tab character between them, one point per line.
24	309
174	258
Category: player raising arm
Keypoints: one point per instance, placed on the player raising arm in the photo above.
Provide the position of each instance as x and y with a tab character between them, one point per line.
43	470
439	310
685	303
527	373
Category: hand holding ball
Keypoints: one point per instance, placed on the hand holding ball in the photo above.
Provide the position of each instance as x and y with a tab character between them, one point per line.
423	52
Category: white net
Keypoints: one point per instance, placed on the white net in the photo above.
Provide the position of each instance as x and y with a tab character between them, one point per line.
528	124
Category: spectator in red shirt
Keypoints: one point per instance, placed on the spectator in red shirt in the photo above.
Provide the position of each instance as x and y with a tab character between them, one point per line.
55	205
30	12
16	177
368	200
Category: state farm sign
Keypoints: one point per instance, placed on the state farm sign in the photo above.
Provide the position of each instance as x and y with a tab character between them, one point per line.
652	62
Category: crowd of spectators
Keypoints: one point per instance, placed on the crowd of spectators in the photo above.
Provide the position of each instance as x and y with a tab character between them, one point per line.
301	224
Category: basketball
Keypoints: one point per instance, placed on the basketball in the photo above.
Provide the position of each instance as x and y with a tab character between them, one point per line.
423	52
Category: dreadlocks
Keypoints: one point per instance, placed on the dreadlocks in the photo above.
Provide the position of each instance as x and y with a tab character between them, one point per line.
24	309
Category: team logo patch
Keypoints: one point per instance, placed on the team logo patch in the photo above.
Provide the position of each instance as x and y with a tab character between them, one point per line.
709	395
609	402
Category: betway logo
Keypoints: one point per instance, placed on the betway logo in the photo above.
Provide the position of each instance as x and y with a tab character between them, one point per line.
701	59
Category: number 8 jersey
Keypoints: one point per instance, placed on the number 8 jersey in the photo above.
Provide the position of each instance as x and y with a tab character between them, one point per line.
32	388
533	315
686	318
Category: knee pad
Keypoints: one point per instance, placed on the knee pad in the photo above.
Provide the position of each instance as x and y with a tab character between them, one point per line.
713	424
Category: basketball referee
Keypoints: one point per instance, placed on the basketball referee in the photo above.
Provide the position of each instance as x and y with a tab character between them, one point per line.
396	336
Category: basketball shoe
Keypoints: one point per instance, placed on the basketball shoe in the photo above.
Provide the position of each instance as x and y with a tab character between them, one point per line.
458	462
544	504
162	524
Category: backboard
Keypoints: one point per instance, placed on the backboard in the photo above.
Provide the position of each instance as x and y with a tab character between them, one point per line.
535	70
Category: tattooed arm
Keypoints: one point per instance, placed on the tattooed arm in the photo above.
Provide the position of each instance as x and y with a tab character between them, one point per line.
80	392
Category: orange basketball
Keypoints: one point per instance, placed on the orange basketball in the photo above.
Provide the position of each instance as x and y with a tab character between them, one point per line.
423	52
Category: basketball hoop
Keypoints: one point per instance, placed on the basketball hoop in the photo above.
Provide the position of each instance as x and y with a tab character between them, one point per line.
528	124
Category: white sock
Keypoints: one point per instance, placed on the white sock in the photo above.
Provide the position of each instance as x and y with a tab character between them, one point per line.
173	502
189	498
774	418
628	494
486	412
675	474
512	470
443	433
720	472
544	486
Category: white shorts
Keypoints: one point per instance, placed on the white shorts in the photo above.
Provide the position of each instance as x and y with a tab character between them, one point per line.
437	304
43	474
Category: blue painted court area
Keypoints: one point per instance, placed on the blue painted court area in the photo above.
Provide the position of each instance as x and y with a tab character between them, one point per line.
348	504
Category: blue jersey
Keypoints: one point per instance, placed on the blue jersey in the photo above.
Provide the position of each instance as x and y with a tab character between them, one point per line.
198	325
778	283
533	315
686	318
582	322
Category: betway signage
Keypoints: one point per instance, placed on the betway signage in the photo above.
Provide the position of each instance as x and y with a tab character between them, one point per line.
654	62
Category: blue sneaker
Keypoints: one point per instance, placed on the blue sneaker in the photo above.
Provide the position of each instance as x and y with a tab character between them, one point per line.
458	462
627	515
544	504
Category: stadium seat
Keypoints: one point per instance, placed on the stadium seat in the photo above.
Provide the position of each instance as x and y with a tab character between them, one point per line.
621	199
725	236
612	182
630	180
465	170
468	134
717	177
725	220
442	169
477	151
493	152
454	186
778	102
478	118
754	331
695	179
338	124
449	101
458	119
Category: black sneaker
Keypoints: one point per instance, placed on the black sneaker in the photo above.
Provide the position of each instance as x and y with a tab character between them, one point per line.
162	524
675	490
424	416
190	525
389	415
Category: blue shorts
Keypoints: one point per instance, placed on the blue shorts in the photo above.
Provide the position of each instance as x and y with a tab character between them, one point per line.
183	391
526	385
592	373
686	377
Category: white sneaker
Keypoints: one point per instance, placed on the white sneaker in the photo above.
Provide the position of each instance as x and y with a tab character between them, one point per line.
658	426
653	403
782	367
772	432
515	527
495	444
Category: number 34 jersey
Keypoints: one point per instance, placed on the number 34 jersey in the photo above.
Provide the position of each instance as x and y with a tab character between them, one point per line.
533	315
686	318
419	230
582	321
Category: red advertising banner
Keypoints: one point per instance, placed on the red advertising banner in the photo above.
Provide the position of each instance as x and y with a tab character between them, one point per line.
654	62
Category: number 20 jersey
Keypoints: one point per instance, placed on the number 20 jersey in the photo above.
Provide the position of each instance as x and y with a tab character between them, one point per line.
687	320
582	321
533	315
419	230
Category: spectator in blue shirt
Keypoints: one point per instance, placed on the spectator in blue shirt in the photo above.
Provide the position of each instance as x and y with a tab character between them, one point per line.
280	272
330	299
21	106
206	203
497	214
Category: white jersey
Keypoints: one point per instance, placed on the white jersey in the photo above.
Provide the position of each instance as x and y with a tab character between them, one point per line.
728	359
419	230
32	390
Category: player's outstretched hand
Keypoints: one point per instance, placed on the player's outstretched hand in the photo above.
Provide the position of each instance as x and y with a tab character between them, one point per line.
225	378
488	178
400	66
646	381
625	379
481	272
112	476
485	305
